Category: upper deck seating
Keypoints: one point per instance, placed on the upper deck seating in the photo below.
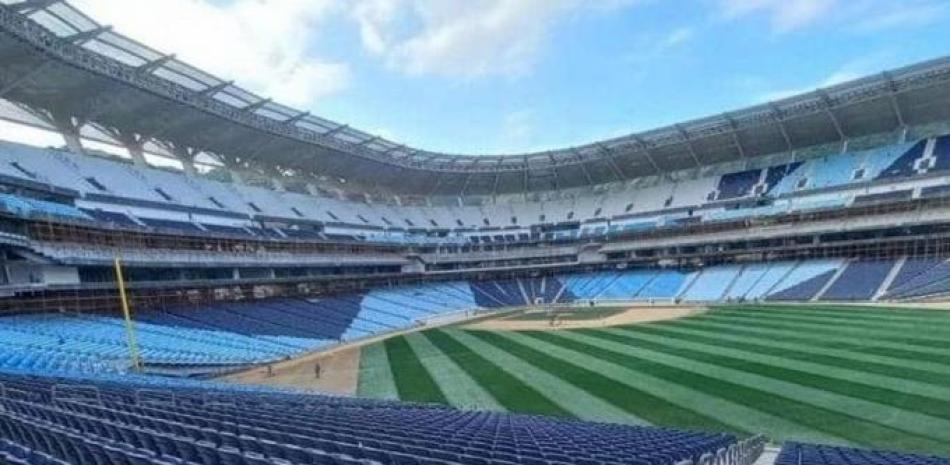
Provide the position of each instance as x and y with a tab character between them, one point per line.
32	208
734	185
637	205
903	166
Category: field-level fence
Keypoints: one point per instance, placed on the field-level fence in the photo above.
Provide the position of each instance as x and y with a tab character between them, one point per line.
744	452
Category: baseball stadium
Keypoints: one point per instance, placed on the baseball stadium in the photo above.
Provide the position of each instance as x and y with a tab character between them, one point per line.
768	285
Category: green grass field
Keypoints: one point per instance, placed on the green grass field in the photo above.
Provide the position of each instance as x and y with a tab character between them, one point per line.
861	376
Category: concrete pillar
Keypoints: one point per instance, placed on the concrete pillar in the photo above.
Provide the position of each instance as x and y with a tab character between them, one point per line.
188	166
137	153
187	158
73	142
236	177
69	129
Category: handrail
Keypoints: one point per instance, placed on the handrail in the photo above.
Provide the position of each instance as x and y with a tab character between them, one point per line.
58	390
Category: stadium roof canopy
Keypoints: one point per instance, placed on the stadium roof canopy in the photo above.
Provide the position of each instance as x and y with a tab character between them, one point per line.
62	69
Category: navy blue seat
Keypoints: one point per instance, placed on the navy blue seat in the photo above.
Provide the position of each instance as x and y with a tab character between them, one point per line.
806	454
229	426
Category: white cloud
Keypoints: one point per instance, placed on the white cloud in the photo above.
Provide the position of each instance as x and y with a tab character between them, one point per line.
677	37
469	38
907	13
262	44
863	16
784	15
650	46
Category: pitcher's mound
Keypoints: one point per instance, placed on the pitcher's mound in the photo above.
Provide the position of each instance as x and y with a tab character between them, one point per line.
596	317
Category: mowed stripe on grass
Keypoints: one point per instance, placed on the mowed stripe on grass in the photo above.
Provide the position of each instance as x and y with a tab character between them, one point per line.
633	401
737	417
907	394
413	381
859	400
835	415
458	387
577	402
855	312
376	378
904	343
845	375
926	332
512	393
815	348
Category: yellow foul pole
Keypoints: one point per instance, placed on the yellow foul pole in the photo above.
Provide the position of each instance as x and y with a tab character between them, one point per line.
129	324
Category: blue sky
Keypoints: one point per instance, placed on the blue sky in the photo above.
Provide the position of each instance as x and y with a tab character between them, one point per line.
501	76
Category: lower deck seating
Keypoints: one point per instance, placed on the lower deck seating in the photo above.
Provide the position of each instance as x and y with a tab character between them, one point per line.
748	278
804	281
587	285
913	268
493	294
108	423
711	283
805	454
859	281
624	285
264	330
98	343
920	277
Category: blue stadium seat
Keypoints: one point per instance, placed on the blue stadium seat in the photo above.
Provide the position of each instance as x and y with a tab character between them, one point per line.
804	281
859	281
711	283
808	454
735	185
216	424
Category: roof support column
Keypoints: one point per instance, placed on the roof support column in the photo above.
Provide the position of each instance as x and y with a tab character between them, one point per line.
186	155
468	177
134	144
895	105
69	128
689	144
829	110
234	168
525	177
645	147
236	177
137	153
779	116
609	154
580	161
735	135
